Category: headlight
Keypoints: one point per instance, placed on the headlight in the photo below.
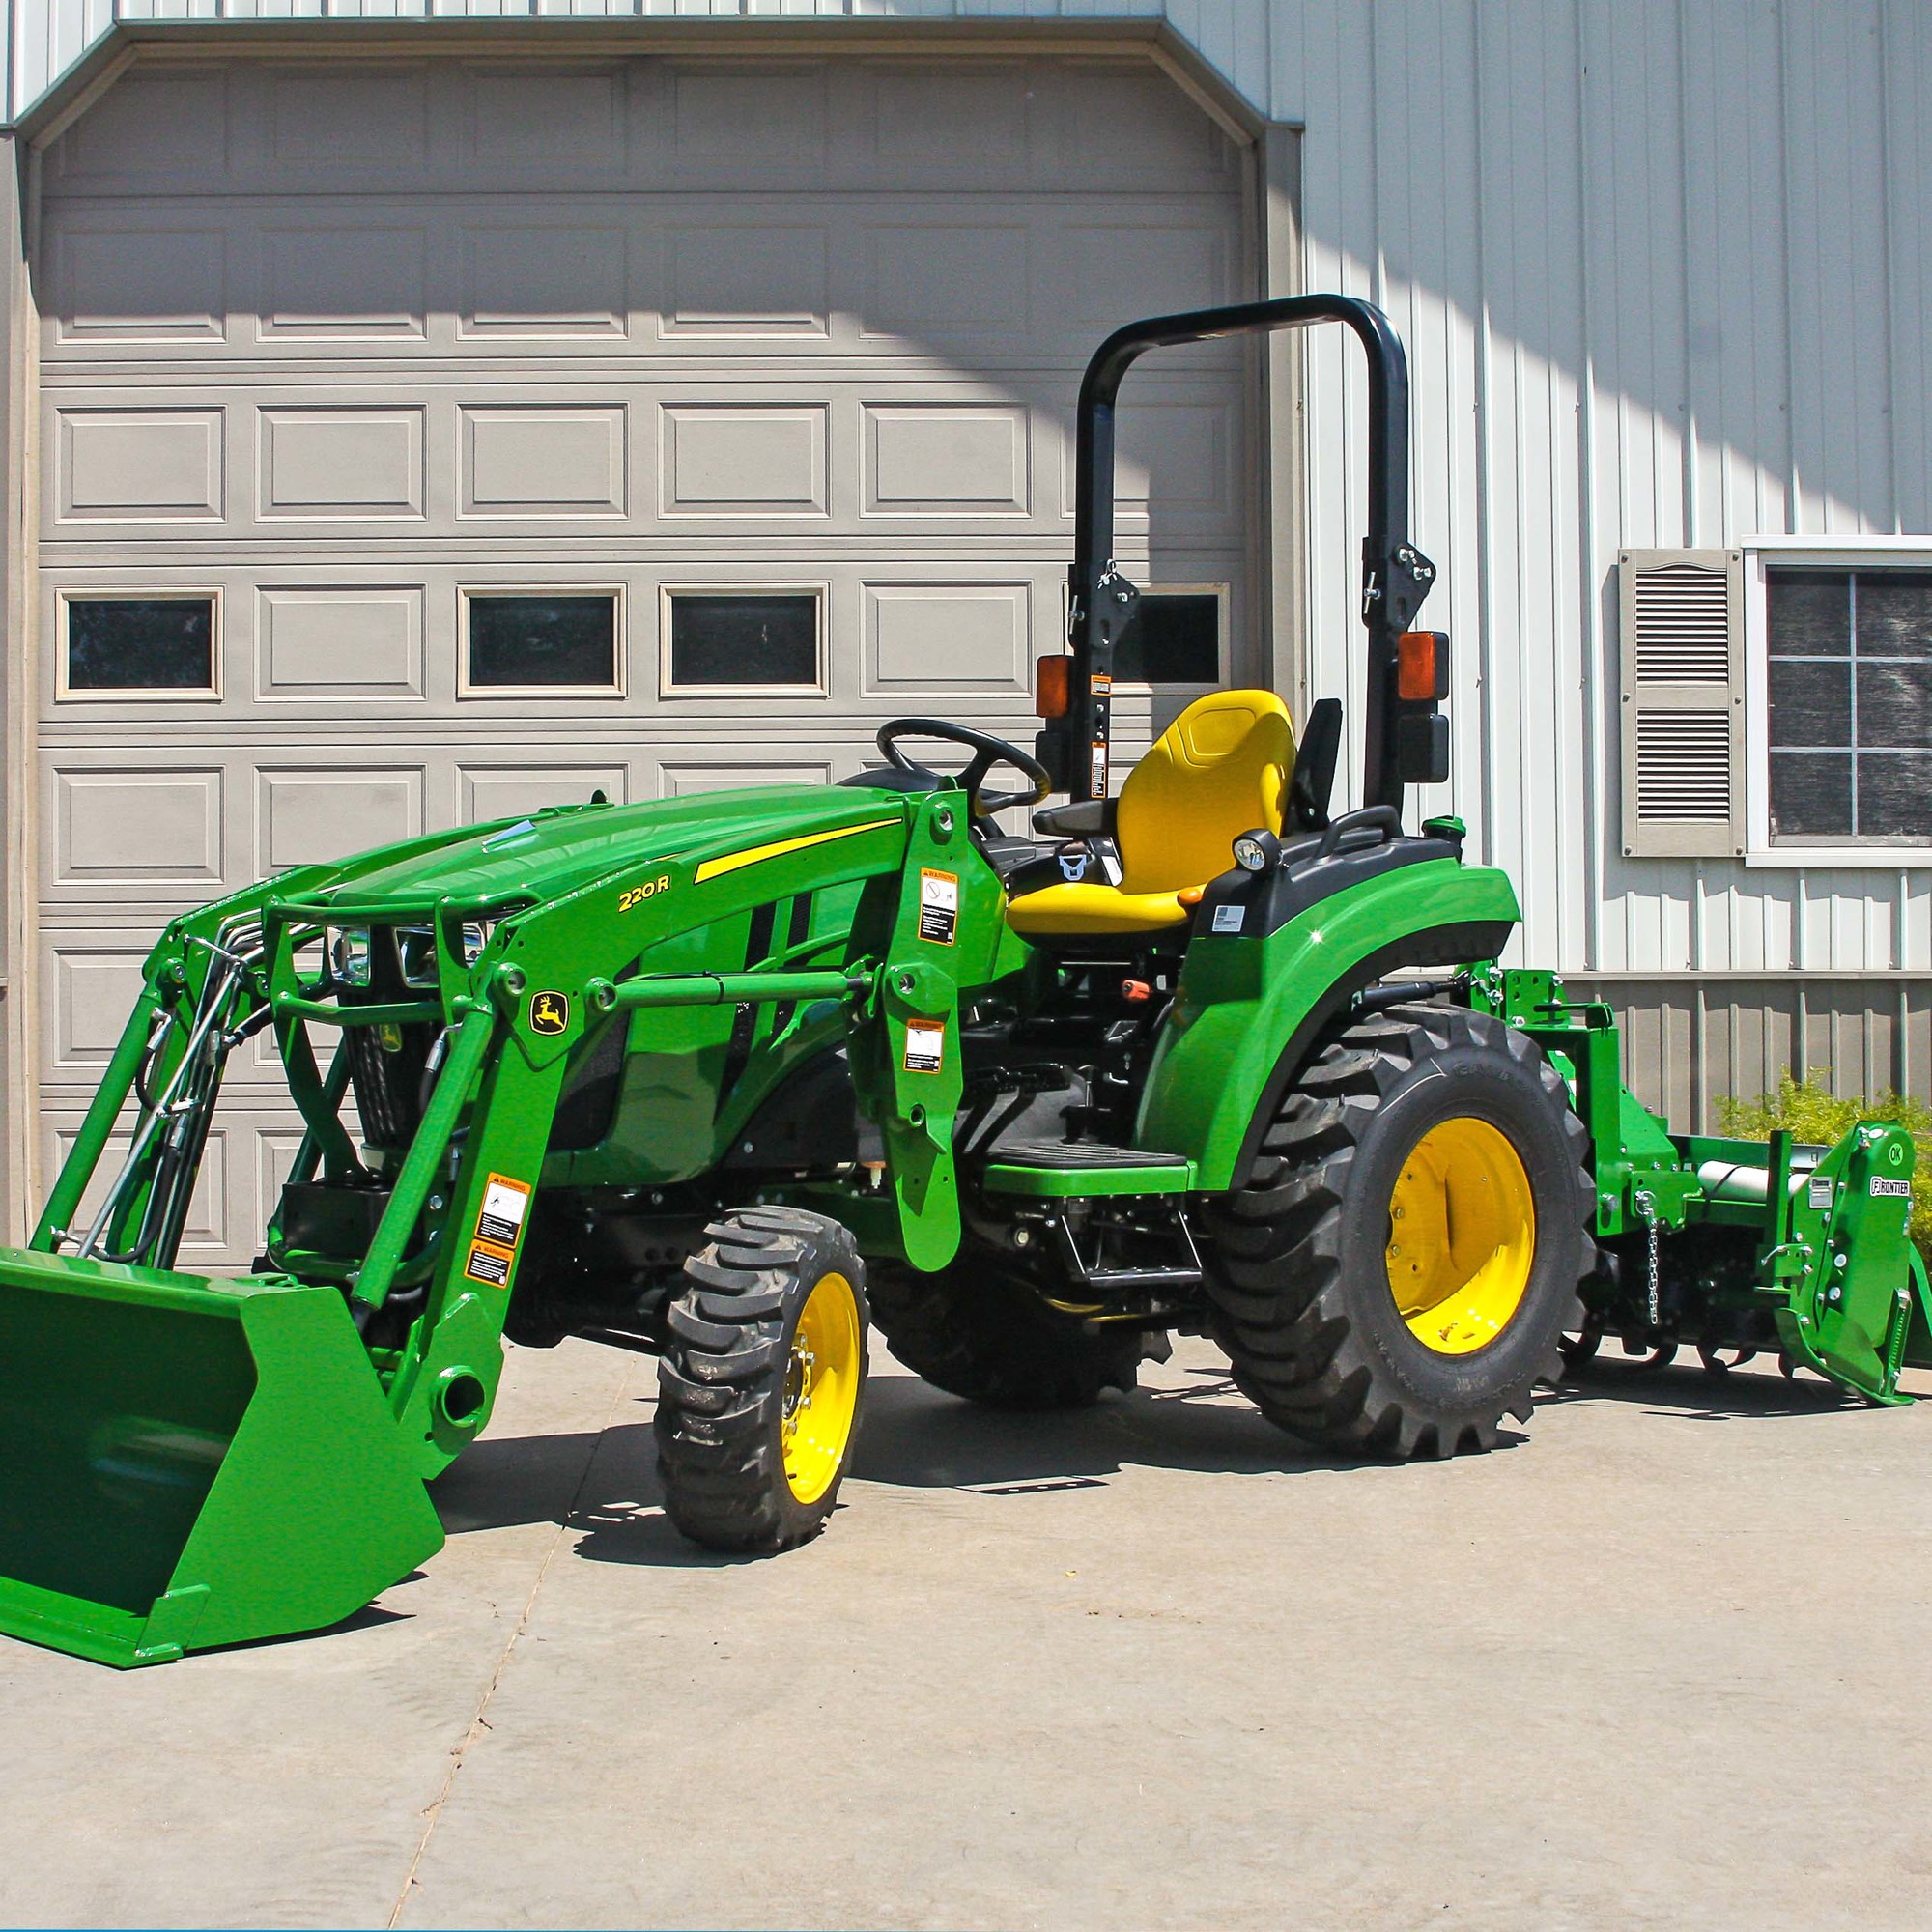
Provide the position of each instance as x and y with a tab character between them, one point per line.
349	954
416	956
1254	851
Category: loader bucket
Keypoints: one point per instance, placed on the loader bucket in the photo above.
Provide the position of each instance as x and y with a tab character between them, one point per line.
186	1463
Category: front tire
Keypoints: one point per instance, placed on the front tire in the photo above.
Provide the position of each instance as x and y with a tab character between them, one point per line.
762	1381
1400	1266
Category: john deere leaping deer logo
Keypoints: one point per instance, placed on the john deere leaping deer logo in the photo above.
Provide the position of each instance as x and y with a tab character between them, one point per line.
550	1013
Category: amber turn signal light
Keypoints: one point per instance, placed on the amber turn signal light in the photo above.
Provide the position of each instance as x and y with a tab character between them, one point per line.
1422	667
1053	686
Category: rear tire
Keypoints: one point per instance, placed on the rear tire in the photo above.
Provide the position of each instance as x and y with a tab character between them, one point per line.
762	1381
976	1330
1428	1154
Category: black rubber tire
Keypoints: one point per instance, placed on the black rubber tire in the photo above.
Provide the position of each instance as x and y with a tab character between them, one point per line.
722	1382
1298	1272
976	1330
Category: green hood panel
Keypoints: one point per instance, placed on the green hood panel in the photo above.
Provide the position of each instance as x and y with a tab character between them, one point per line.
566	847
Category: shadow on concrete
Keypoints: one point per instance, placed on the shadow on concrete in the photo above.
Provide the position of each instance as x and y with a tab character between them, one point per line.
1686	1388
605	1486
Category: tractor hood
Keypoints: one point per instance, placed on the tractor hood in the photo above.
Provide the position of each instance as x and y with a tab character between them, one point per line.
564	847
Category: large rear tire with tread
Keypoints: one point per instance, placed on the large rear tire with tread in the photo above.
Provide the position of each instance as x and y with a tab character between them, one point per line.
761	1384
976	1330
1399	1268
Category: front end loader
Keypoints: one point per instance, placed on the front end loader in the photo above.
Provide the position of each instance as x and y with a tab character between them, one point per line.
729	1079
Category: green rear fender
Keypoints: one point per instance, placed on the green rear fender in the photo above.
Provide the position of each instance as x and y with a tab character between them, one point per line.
1247	1009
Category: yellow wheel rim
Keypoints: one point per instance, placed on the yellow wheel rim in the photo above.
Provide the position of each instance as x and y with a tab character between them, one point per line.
821	1390
1462	1237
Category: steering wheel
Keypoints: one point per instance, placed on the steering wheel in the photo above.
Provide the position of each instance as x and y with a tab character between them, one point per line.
987	751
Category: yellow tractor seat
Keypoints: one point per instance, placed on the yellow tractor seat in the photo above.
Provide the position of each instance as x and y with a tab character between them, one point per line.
1220	769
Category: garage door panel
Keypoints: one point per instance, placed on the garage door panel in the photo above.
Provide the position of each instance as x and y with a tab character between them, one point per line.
131	282
937	638
208	1236
150	132
739	458
524	460
138	826
341	462
742	278
94	989
137	466
346	641
543	280
308	815
374	121
320	282
947	460
523	115
947	279
488	791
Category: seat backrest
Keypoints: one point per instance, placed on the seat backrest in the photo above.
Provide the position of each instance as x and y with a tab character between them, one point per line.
1220	769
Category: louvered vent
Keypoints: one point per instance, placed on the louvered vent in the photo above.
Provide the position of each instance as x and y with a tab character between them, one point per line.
1683	625
1684	766
1681	636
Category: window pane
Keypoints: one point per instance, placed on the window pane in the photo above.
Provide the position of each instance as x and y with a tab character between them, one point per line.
140	643
1811	703
1896	795
1896	614
1895	704
1173	638
1811	794
543	640
744	640
1808	612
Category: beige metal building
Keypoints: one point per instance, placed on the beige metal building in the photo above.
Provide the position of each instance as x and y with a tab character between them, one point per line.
425	420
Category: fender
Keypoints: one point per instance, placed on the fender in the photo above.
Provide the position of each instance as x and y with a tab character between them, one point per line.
1246	1009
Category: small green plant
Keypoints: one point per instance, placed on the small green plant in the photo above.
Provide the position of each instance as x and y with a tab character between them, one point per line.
1811	1112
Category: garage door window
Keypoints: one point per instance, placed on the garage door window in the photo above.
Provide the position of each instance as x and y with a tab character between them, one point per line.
523	642
123	646
744	641
1175	640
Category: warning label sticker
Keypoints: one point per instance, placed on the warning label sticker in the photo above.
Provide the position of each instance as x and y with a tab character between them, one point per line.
1229	918
1818	1193
1881	1186
505	1203
1098	783
926	1046
938	905
488	1264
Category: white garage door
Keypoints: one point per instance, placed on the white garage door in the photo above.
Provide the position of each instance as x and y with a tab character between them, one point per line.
430	442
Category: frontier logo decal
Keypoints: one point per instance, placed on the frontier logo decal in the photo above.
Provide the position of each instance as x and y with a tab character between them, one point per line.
550	1013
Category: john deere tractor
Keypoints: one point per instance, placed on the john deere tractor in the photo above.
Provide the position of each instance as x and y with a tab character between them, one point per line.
728	1079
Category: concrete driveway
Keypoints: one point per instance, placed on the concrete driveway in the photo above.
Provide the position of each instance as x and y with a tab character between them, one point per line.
1142	1667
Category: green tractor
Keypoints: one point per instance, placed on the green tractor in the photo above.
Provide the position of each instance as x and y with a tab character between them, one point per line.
730	1079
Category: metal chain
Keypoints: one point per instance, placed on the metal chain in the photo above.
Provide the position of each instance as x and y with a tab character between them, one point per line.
1646	1209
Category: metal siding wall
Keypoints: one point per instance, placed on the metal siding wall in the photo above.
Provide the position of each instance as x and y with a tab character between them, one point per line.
1689	1042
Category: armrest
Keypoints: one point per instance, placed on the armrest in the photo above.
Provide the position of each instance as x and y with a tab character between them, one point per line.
1077	819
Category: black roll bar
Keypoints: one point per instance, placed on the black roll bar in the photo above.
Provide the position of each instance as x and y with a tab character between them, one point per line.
1396	577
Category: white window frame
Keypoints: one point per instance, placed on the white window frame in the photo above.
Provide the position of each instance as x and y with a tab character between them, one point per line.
1223	596
138	694
1795	554
620	656
819	592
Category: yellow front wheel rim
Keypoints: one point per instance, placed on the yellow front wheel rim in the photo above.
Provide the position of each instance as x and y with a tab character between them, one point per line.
1462	1237
821	1392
